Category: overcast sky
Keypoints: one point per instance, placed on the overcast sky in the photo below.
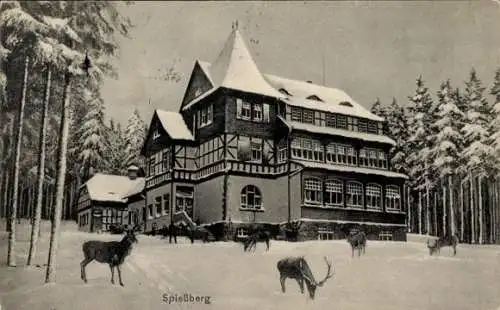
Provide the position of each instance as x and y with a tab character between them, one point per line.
372	49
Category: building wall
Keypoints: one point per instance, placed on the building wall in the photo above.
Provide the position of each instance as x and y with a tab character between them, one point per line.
161	220
274	199
208	200
135	207
296	196
84	225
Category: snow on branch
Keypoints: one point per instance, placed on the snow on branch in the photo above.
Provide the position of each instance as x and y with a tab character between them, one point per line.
62	26
21	22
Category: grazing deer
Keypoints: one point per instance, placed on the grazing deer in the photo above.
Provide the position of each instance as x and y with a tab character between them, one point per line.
111	252
357	240
256	236
434	245
297	268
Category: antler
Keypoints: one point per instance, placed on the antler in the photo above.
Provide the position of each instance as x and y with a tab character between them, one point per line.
328	274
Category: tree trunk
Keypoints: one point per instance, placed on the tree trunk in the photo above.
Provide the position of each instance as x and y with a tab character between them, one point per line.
419	212
435	213
491	208
462	226
427	209
35	229
6	198
410	204
50	275
452	209
472	215
11	253
480	211
444	211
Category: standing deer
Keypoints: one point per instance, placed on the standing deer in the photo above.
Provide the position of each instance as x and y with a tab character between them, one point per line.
357	240
297	268
256	236
434	245
111	252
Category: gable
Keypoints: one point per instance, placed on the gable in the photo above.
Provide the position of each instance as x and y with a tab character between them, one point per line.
199	83
152	137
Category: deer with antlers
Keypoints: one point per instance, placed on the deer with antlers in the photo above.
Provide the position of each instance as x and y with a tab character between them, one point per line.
297	268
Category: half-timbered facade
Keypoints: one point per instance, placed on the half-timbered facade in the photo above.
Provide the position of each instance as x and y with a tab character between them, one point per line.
106	200
248	147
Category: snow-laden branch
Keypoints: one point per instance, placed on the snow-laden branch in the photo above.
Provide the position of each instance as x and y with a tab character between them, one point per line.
20	22
62	26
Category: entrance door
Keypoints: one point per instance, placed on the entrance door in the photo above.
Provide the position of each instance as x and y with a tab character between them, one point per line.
184	200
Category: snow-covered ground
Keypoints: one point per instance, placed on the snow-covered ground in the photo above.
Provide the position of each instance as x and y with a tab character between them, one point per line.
391	275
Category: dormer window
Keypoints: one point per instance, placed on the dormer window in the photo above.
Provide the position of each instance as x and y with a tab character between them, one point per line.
314	97
346	104
156	134
285	92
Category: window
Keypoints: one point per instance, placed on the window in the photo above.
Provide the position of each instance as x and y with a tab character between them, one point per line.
158	206
324	234
341	154
249	149
363	158
265	117
184	198
165	162
308	116
304	148
341	121
156	134
374	196
330	120
354	197
256	151
251	198
314	97
296	114
241	232
372	127
313	191
392	198
150	211
205	116
382	160
380	128
331	153
257	112
334	191
351	156
372	160
385	235
362	125
246	111
346	104
352	123
166	204
282	154
152	165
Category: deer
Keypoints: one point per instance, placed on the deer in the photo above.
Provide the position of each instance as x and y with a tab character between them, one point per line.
434	245
297	268
256	236
111	252
357	240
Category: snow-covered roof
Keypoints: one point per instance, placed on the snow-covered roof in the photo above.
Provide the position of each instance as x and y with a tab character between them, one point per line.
235	68
113	188
174	125
339	132
331	97
332	167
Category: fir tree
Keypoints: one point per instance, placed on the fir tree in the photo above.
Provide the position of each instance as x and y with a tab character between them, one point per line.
398	130
135	134
476	153
378	109
494	140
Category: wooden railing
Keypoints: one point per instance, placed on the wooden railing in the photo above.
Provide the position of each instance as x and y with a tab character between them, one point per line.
194	175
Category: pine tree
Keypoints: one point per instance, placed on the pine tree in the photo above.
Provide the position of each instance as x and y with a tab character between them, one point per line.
93	142
448	143
494	129
378	109
476	154
135	134
117	149
419	143
398	130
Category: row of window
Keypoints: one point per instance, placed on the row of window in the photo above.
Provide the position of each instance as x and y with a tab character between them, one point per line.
340	121
310	149
256	112
332	193
184	201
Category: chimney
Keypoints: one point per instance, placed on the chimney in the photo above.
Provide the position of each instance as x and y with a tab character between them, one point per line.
132	172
